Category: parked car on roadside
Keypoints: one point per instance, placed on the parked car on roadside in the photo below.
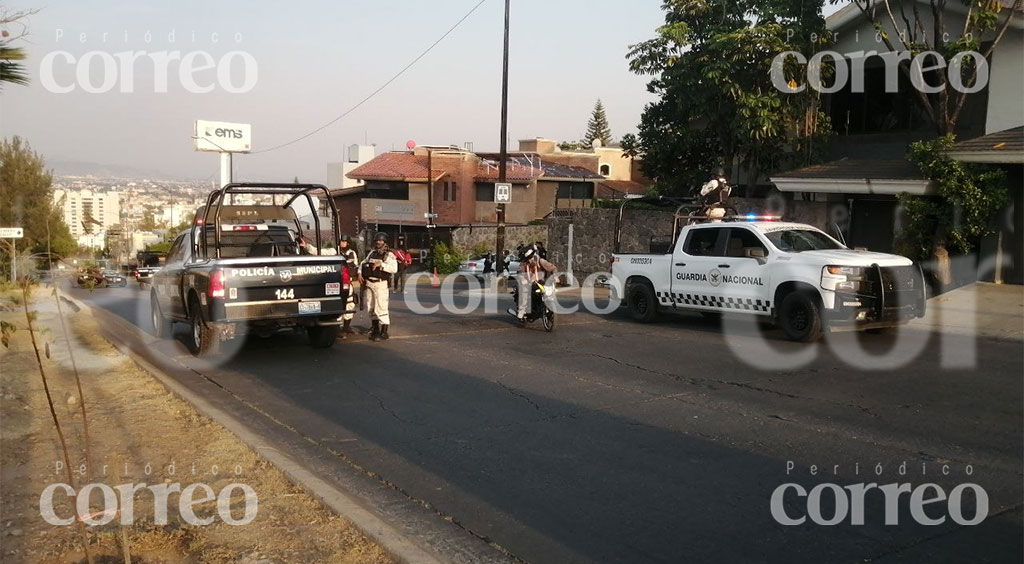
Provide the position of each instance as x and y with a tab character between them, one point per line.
96	278
473	266
91	277
114	279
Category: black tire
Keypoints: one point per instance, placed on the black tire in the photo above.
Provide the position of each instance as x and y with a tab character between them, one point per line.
643	305
800	317
204	338
548	320
322	336
161	325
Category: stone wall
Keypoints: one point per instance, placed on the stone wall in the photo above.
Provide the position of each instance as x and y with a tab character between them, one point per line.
594	230
594	233
469	237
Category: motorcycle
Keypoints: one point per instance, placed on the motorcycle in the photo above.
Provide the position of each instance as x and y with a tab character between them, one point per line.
540	305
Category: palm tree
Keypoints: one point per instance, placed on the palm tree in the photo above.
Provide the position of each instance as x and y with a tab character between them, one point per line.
11	69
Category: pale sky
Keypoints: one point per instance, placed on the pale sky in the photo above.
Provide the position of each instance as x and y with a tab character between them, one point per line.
317	59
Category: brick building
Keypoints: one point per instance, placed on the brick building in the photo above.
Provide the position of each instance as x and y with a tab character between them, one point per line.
398	191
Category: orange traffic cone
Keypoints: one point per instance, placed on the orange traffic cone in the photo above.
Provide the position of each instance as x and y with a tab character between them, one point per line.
434	280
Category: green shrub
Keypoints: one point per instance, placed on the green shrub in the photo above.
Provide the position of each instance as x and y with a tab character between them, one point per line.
480	249
447	258
969	198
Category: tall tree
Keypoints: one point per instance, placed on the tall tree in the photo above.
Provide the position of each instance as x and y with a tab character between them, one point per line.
597	127
717	106
906	26
26	200
12	69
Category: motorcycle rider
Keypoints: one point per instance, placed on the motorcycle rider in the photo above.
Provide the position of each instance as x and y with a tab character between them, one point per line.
375	273
352	264
530	267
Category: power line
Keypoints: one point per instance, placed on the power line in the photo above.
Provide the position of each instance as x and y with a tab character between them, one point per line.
378	90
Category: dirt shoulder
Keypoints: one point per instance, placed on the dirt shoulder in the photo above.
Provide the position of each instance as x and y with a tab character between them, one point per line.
139	433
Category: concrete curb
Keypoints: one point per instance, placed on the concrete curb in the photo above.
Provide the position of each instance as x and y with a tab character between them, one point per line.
394	542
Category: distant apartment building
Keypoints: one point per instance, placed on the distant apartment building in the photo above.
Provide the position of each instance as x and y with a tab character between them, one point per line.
175	214
88	214
141	239
337	173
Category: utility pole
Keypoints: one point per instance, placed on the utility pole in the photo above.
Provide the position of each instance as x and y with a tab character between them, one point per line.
503	158
430	206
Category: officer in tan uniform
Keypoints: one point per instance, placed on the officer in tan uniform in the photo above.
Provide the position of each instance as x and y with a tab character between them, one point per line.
375	273
351	263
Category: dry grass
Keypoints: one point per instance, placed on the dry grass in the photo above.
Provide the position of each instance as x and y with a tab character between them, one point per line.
133	420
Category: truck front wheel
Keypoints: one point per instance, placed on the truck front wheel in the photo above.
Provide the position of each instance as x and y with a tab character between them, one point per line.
800	317
161	325
643	305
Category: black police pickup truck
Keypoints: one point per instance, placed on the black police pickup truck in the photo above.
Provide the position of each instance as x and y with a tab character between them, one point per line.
253	267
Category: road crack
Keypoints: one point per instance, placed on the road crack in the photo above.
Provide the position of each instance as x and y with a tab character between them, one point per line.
518	394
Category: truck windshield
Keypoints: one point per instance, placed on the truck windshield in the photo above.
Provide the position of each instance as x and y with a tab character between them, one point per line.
797	240
271	242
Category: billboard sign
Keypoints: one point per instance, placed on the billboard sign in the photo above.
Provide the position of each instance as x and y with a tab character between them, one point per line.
222	137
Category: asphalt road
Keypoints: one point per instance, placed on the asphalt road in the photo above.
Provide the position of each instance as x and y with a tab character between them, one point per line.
613	441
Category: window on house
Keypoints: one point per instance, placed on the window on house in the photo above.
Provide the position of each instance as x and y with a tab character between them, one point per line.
450	191
606	170
383	190
575	191
484	191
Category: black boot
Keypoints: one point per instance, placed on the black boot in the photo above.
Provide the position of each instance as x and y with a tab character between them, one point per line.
346	327
375	332
384	332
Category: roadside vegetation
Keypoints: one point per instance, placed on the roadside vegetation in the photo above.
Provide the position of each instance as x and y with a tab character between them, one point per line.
90	407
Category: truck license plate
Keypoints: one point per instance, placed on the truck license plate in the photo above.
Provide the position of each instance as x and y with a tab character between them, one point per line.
309	307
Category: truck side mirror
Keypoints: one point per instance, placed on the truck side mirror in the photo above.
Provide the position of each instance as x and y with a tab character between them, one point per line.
756	253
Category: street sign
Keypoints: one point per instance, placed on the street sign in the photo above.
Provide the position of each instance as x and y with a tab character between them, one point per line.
222	137
11	232
502	192
430	215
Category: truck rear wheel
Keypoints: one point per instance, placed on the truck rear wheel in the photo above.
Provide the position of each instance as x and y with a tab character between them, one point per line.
204	338
800	317
643	304
322	336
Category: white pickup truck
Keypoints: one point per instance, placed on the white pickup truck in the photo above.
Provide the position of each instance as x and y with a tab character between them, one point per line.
794	274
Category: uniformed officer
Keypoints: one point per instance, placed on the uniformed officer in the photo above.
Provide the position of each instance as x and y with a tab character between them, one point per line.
375	272
352	264
716	190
